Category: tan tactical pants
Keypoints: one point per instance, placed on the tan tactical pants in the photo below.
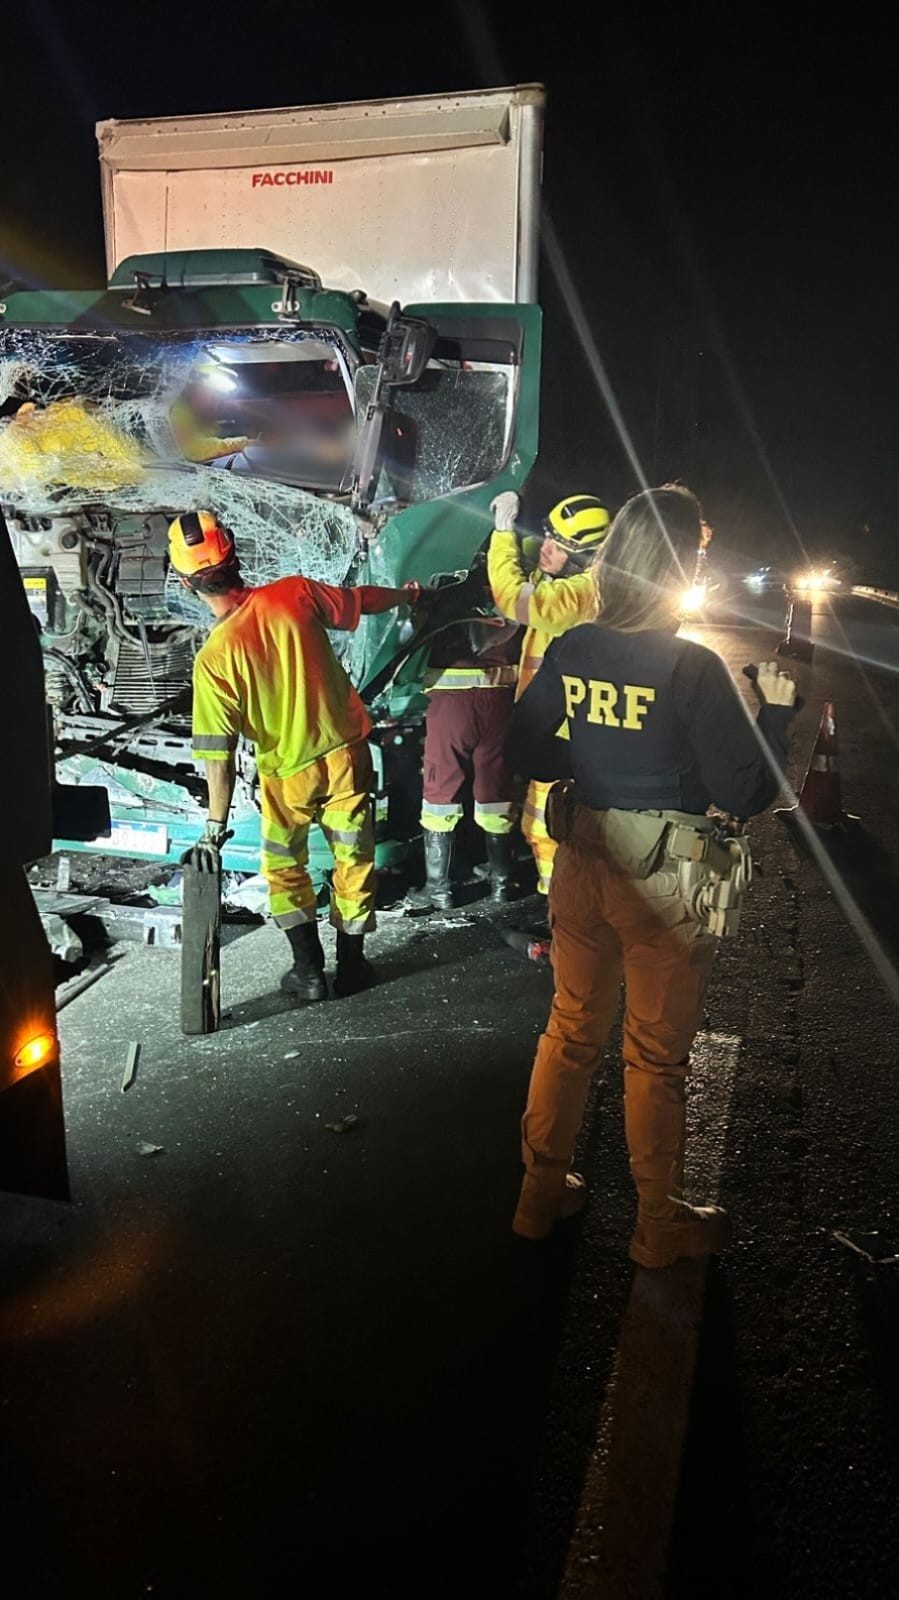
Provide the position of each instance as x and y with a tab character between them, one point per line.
605	927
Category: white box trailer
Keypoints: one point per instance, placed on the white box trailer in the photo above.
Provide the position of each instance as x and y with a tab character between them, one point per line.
429	198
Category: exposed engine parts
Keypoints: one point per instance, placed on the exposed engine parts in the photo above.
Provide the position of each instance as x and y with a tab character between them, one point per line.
96	587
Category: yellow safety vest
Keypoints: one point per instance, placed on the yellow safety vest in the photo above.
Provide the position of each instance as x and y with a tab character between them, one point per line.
548	607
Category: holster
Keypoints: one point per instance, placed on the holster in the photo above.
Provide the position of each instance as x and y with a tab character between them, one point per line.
713	873
559	810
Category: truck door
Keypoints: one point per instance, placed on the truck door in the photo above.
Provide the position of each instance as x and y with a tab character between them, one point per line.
449	441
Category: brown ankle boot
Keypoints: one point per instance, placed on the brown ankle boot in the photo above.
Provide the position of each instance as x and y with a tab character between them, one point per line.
545	1199
659	1241
655	1121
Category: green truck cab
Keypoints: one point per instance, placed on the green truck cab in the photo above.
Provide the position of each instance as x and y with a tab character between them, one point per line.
338	435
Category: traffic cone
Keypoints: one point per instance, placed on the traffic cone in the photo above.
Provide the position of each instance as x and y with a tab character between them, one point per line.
821	799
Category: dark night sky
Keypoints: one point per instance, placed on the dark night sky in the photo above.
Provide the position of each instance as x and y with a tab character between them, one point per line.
723	191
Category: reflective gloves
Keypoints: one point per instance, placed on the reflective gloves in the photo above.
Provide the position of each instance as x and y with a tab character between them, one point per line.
505	510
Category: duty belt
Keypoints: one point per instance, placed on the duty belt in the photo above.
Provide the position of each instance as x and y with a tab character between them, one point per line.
709	868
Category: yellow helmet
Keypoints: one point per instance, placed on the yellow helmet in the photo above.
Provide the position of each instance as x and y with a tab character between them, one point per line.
579	523
199	543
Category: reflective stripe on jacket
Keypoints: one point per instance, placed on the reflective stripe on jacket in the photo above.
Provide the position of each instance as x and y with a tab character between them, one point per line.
488	677
546	606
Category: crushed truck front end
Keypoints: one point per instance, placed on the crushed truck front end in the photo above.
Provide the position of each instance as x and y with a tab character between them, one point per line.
234	380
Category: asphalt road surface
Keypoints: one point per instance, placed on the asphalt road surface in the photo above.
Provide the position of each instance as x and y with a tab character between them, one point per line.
273	1358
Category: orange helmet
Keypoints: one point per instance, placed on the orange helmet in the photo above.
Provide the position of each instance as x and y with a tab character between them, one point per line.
199	543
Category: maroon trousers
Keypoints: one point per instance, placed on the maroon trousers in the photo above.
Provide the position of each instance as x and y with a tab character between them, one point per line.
464	746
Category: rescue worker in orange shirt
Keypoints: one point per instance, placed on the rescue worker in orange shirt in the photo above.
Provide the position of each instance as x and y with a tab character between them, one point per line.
558	595
267	673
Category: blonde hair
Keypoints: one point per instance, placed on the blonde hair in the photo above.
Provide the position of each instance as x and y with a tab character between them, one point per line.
647	557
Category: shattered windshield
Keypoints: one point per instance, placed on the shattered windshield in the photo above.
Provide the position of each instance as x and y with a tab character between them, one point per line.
108	412
451	430
283	411
254	424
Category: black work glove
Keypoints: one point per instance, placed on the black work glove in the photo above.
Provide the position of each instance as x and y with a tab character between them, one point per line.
206	853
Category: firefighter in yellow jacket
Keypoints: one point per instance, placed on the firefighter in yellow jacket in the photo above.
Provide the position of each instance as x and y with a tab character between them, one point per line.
557	596
268	673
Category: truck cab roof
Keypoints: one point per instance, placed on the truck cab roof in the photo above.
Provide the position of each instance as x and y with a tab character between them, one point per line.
198	289
204	269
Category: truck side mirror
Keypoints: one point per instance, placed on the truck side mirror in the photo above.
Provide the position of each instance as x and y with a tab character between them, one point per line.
405	349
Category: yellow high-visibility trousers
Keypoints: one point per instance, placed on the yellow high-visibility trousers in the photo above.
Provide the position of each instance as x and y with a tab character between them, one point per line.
335	792
533	826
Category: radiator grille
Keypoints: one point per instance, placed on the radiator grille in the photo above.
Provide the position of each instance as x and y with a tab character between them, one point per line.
140	686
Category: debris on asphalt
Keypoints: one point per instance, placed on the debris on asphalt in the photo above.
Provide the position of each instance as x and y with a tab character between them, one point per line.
239	891
873	1247
77	986
168	893
527	944
291	1055
145	1149
63	940
131	1060
345	1125
246	894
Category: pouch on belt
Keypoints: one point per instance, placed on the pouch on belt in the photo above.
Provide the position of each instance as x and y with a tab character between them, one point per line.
630	842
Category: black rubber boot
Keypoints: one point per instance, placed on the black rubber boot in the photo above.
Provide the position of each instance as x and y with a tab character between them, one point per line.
436	893
500	862
305	980
353	971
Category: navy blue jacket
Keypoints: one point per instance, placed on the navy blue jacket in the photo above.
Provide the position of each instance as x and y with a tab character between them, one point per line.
653	722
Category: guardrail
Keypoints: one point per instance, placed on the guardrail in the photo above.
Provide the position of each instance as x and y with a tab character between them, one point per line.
887	597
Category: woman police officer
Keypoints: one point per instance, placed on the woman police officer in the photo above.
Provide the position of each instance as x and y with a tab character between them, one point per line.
652	731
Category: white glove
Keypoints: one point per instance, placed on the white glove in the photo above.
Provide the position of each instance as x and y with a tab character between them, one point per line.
505	510
774	687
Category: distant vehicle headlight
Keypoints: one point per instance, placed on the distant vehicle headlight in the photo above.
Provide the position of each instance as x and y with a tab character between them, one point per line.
693	598
814	582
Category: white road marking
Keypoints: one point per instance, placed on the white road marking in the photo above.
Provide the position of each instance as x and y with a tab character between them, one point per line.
620	1543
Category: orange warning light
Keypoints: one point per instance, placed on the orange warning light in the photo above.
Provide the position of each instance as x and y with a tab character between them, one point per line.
35	1053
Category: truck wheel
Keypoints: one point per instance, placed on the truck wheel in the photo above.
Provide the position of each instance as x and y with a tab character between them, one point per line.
200	946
